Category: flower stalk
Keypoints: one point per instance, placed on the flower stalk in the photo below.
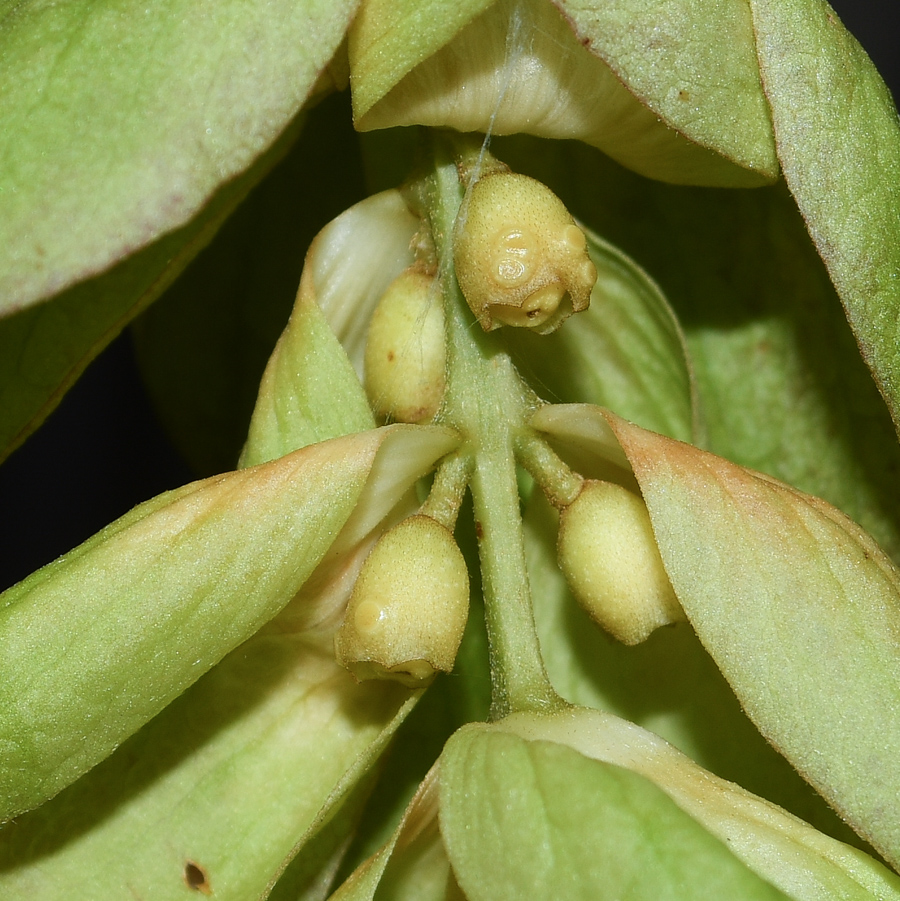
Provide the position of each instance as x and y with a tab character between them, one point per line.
487	402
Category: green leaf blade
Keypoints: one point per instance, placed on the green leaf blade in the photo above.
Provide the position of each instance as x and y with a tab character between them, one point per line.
134	616
532	68
45	347
524	817
801	611
668	685
781	384
625	352
838	139
695	70
802	862
309	391
230	778
203	346
137	624
119	122
389	39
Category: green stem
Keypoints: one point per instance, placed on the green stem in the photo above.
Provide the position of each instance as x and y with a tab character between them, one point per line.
448	490
489	404
558	482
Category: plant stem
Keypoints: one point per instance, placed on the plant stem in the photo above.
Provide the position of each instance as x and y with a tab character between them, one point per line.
448	490
489	404
559	483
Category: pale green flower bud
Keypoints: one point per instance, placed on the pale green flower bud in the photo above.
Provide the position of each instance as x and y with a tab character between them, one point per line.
405	350
408	609
520	258
609	556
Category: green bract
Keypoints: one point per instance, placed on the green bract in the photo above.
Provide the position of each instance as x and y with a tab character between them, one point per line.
285	734
845	171
697	205
810	601
119	127
512	821
171	587
520	68
119	124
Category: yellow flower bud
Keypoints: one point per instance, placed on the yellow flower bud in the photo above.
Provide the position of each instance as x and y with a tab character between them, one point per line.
610	559
520	258
405	350
408	609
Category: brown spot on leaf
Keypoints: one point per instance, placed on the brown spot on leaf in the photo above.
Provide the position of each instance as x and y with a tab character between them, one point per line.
196	878
390	356
684	95
479	531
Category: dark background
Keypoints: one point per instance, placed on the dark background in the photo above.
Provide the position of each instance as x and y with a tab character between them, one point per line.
103	450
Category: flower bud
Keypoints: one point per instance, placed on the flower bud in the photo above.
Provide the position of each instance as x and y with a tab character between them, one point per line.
520	258
408	609
405	350
609	556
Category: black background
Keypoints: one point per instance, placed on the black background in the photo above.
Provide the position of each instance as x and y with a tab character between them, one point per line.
103	451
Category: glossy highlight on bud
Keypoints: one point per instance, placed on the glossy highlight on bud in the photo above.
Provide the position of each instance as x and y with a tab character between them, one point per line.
610	559
520	258
405	350
408	610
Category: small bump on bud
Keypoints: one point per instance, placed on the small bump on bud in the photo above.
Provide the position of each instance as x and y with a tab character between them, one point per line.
610	559
405	350
520	258
408	609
